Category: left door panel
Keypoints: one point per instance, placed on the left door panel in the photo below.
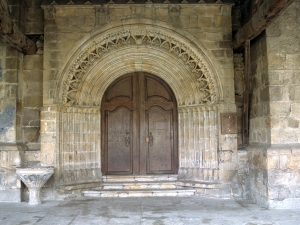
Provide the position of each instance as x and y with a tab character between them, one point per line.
119	141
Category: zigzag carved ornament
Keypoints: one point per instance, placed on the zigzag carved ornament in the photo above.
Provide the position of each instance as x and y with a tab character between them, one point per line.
98	49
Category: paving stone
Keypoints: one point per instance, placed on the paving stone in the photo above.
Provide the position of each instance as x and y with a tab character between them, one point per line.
155	210
68	29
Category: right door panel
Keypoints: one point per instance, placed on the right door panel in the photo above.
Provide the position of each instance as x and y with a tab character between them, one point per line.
160	145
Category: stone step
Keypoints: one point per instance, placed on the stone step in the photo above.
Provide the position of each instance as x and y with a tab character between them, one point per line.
138	185
140	192
80	186
134	178
198	184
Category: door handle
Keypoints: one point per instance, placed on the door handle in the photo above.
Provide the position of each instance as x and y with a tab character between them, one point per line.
150	139
127	139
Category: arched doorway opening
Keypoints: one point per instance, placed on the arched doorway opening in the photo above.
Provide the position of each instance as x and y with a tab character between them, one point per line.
139	126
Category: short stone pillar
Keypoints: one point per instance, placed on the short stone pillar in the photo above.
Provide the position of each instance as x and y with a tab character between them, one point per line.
34	178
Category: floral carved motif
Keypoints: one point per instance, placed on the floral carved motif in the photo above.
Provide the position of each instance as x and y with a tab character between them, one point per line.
98	49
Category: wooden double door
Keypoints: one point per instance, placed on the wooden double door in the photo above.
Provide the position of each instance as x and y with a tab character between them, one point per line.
139	126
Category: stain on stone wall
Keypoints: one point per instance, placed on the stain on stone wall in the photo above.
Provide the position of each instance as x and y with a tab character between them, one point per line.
7	117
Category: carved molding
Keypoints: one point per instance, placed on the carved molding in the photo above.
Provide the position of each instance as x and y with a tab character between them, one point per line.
70	2
146	37
80	110
198	143
79	144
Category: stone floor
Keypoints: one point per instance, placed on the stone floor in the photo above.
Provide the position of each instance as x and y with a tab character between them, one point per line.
155	210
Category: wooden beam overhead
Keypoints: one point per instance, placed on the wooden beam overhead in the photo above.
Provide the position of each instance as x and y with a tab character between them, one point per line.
268	11
11	33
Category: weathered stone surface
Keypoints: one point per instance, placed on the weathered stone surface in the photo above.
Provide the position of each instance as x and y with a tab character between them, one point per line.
31	116
280	181
33	62
259	109
31	135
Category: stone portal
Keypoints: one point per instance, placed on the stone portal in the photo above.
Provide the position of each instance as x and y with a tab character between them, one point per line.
194	74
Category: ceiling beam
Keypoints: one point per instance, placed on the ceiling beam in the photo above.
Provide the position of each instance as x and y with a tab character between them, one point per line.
11	33
268	11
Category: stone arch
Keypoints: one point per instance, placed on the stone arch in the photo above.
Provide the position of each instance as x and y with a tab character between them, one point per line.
113	52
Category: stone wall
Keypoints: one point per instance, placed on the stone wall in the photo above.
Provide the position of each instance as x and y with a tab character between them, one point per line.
30	100
258	174
259	125
283	176
243	182
21	99
10	156
9	93
259	93
284	56
16	12
34	17
283	156
274	123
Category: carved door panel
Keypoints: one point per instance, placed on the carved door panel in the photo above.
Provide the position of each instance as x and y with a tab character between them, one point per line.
139	120
160	127
119	127
160	147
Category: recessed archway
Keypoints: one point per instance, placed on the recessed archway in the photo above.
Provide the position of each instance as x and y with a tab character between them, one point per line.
111	53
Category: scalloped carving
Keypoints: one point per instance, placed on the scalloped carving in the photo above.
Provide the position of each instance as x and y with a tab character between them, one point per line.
113	41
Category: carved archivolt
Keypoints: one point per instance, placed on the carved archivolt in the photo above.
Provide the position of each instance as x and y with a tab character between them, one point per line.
114	41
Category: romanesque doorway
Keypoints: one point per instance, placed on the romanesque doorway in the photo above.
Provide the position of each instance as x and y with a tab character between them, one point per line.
139	126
